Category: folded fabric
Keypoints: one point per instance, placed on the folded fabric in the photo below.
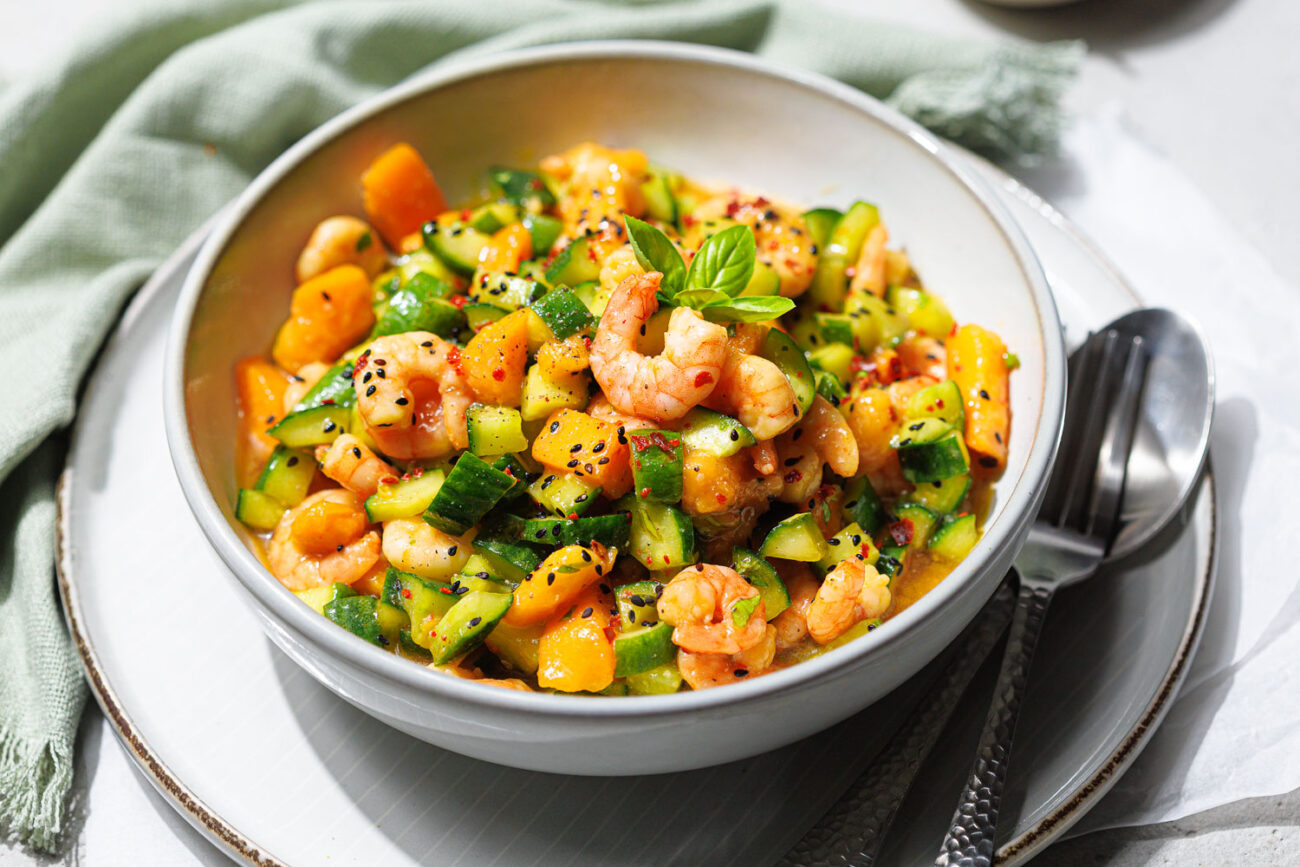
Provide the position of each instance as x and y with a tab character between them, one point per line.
113	154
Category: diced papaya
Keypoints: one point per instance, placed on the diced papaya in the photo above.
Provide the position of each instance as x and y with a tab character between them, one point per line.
712	484
325	524
328	314
495	359
507	250
874	422
601	457
576	651
977	362
400	193
259	389
561	359
556	582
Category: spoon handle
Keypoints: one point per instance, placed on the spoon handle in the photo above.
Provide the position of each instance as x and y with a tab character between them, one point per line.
971	838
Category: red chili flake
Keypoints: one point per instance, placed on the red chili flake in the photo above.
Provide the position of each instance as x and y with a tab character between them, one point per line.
458	301
641	442
360	364
328	402
953	330
419	471
687	221
465	214
703	378
792	477
499	374
865	550
406	594
591	254
645	492
573	516
534	184
901	531
859	363
453	358
762	201
666	560
733	207
446	590
389	480
722	498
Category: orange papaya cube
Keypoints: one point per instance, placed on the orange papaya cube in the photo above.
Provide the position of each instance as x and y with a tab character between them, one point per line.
495	358
400	194
556	582
712	484
576	650
507	249
593	450
259	393
328	315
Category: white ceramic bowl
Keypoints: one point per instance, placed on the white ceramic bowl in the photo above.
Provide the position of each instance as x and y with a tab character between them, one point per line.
714	115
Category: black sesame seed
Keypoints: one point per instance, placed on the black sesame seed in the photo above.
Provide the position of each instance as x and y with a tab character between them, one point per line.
735	435
984	394
741	672
338	548
540	534
555	529
401	401
798	432
604	588
601	571
550	578
326	296
328	426
451	552
576	447
587	612
293	461
381	374
546	483
475	621
602	462
555	425
366	378
356	452
586	555
597	448
571	464
832	541
790	462
370	391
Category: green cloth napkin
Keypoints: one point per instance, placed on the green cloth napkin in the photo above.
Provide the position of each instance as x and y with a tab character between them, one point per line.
110	156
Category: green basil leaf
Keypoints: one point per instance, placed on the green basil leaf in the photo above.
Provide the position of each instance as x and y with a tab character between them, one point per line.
725	262
744	609
699	298
656	253
748	309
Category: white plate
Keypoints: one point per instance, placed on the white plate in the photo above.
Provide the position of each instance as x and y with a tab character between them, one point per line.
275	769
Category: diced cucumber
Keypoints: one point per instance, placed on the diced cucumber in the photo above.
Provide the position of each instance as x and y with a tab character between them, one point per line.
470	490
641	649
594	295
835	359
258	510
494	430
408	649
513	467
854	632
923	522
664	680
763	282
467	623
541	396
287	475
564	313
522	188
544	231
420	305
863	507
795	538
457	244
841	250
660	203
943	496
942	401
365	616
317	597
516	645
425	602
662	536
821	222
657	465
781	350
920	431
479	316
954	539
507	291
564	494
891	560
422	261
713	433
763	575
830	387
509	559
875	323
836	328
404	498
612	531
313	427
925	313
637	603
493	217
849	542
334	388
935	460
574	264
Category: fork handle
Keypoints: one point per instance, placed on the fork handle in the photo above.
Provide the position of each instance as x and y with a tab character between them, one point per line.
970	839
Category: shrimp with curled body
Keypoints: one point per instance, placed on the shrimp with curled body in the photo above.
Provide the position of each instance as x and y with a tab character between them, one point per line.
852	592
699	604
352	464
412	395
660	387
791	625
414	546
323	540
704	670
753	389
341	241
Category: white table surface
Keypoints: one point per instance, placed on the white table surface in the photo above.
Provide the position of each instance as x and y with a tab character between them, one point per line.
1212	84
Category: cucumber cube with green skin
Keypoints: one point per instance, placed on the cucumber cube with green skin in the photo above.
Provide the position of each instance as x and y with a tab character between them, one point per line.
258	510
523	188
425	602
365	616
662	536
835	359
935	460
764	282
420	305
612	531
643	648
942	496
763	575
318	597
515	469
479	316
457	245
405	498
478	574
422	261
660	203
541	397
470	491
664	680
954	539
637	603
922	521
875	323
849	542
574	264
891	560
319	425
838	253
287	475
821	222
862	506
657	465
493	217
713	433
509	559
780	349
795	538
836	328
467	623
942	401
564	313
563	494
494	430
924	312
829	387
334	388
507	291
544	231
408	648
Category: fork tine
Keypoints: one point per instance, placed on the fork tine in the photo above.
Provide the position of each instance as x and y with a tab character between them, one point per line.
1081	462
1112	460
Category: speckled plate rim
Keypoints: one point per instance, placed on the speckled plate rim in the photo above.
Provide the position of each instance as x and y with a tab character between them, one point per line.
241	848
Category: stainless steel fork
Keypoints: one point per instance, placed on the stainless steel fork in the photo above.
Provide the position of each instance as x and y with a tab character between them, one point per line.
1069	540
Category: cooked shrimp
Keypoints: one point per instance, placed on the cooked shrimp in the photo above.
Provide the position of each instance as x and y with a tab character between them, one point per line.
412	395
869	272
764	457
703	670
699	603
599	183
661	387
617	267
829	435
757	394
924	355
780	234
792	623
852	592
302	382
341	241
413	546
352	464
322	540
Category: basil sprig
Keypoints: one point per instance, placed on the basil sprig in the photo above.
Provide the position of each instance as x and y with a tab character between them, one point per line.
720	271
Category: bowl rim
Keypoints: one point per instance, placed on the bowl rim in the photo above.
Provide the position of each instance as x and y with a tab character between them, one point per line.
1022	498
